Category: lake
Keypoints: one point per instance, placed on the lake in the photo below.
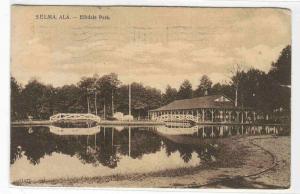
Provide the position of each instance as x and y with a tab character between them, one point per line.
52	152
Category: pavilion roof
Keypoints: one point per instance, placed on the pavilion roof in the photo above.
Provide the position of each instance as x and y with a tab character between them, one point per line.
213	101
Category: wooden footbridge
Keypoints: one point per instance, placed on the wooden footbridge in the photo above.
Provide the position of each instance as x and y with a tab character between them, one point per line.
74	117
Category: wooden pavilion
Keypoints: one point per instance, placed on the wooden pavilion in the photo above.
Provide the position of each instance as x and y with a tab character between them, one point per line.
206	109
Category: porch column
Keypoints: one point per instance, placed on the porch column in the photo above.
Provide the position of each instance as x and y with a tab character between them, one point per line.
242	116
238	116
212	115
203	115
230	119
221	131
246	114
242	129
254	116
212	131
197	115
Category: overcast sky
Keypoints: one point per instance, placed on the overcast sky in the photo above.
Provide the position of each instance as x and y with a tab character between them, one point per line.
155	46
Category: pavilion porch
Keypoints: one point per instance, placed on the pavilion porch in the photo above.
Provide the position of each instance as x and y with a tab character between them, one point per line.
207	115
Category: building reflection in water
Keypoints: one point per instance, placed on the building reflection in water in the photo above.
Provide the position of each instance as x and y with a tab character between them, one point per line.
107	146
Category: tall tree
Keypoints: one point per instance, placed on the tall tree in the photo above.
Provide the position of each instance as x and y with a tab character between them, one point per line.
66	99
87	87
204	87
106	86
169	95
281	69
236	77
37	99
225	89
15	100
185	90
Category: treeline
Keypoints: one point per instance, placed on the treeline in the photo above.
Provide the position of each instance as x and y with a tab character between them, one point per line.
269	92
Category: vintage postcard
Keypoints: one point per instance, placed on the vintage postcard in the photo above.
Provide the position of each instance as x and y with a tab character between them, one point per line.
150	97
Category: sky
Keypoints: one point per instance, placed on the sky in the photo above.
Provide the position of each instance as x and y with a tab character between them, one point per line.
155	46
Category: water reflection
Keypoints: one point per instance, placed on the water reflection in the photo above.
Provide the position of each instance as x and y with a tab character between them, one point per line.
109	150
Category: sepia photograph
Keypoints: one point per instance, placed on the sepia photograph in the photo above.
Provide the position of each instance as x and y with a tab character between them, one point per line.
150	97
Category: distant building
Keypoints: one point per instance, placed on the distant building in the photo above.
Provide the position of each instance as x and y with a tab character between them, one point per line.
215	108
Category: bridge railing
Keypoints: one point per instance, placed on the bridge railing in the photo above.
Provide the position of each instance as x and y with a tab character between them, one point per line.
75	116
176	117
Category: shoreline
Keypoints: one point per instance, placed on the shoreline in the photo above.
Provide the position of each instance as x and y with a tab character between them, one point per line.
262	166
139	123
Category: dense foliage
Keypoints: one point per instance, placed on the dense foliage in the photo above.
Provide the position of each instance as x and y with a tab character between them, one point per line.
268	92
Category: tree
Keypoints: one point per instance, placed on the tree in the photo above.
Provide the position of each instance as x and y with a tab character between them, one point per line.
106	86
204	87
237	74
185	90
37	100
281	69
15	99
87	85
169	95
225	89
143	99
67	99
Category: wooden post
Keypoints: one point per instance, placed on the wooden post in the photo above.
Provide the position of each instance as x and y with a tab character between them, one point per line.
221	130
203	115
112	103
129	99
236	97
112	138
88	103
96	102
129	141
104	110
242	127
242	116
254	116
212	115
95	141
238	116
230	118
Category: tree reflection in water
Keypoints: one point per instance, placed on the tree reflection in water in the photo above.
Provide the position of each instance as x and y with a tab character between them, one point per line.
106	147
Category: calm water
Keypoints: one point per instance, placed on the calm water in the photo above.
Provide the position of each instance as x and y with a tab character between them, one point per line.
56	152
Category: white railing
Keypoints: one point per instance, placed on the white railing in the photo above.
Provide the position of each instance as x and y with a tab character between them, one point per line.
74	131
74	116
176	117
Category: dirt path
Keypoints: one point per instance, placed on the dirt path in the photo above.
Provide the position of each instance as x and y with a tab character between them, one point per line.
276	176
